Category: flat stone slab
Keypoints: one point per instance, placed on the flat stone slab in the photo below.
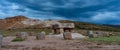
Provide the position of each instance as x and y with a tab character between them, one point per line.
74	36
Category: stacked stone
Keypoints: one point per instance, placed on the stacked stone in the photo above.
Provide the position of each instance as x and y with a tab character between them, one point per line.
90	34
67	35
1	38
40	36
22	35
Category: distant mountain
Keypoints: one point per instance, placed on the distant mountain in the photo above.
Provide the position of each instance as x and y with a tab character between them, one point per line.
115	26
18	22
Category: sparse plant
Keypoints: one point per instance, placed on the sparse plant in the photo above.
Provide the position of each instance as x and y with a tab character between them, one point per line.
18	40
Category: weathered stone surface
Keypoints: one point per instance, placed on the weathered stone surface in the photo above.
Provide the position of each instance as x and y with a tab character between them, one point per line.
90	34
22	35
40	36
102	34
31	33
67	35
1	38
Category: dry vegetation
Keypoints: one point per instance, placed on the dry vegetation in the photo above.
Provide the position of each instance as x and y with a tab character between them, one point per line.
89	26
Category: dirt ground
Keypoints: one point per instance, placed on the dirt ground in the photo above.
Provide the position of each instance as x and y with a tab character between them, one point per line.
52	43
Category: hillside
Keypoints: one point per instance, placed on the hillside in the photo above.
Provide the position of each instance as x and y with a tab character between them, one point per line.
116	26
18	22
90	26
10	21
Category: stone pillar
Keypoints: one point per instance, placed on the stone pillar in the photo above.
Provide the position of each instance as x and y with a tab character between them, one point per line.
61	31
41	36
67	35
22	35
53	32
1	38
90	34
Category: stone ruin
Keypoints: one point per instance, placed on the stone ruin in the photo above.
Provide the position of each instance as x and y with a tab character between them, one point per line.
90	34
23	35
93	34
41	36
65	31
59	28
67	35
31	33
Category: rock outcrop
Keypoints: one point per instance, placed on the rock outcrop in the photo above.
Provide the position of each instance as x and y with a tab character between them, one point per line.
17	22
10	21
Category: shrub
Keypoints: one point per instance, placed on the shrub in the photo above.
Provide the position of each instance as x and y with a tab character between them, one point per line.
18	40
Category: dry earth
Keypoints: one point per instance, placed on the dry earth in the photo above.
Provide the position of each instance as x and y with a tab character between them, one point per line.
53	43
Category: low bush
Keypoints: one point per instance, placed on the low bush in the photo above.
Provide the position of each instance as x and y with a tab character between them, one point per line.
18	40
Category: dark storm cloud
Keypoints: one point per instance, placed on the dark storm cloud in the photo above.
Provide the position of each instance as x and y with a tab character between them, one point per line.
96	11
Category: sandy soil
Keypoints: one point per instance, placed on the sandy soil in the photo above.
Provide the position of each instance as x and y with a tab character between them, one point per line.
57	44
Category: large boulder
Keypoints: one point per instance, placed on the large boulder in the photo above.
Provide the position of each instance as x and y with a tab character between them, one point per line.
67	35
23	35
31	33
41	36
90	34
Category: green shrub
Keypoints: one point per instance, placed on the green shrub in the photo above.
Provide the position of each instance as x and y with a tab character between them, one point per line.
18	40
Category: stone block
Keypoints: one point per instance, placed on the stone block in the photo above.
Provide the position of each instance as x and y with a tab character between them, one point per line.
31	33
41	36
90	34
67	35
23	35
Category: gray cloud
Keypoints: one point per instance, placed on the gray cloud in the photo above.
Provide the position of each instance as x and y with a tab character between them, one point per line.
96	11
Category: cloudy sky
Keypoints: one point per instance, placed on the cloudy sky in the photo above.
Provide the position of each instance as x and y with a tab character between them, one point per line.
95	11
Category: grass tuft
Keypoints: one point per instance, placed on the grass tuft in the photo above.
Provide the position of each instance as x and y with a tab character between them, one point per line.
106	40
18	40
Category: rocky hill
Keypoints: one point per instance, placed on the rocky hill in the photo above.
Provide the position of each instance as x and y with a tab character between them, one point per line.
17	22
10	21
